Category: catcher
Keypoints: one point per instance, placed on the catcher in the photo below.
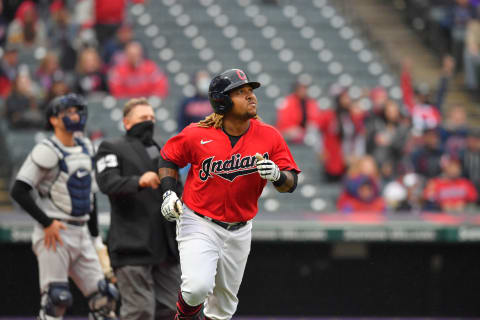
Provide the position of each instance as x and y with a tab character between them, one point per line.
59	170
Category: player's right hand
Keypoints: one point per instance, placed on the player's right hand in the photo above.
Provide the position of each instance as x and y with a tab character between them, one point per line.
171	206
52	235
149	179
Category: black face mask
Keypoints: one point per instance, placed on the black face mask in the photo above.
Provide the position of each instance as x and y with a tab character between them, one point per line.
142	131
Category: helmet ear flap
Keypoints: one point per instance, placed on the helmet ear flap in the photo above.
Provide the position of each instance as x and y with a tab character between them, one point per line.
220	102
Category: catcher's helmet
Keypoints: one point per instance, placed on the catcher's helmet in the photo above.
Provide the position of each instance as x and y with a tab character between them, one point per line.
64	102
222	84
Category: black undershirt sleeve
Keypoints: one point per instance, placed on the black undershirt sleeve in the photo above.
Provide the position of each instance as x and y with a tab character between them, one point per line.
21	194
162	163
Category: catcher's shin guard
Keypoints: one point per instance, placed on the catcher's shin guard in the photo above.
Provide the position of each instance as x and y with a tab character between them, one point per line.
103	303
55	301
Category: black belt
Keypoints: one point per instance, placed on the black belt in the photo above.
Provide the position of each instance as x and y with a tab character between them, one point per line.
74	222
227	226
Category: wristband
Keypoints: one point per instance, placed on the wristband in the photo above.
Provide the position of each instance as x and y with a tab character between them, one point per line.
281	180
168	183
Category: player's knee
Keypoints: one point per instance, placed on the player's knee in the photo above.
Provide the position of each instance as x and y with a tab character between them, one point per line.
56	300
103	303
197	293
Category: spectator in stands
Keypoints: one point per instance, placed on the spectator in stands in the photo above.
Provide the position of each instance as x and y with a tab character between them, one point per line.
297	112
48	70
8	69
59	88
62	34
90	76
378	98
21	105
454	131
27	29
424	112
114	48
137	76
425	158
471	56
361	188
109	16
405	194
196	108
342	136
450	192
386	138
470	158
458	16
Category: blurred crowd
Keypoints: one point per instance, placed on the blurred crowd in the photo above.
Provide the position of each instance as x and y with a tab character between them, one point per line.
450	27
394	156
49	48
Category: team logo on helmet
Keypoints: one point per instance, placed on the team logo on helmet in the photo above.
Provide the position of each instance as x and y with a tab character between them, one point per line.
229	169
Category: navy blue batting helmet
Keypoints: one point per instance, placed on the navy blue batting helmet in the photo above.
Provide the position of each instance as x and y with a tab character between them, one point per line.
222	84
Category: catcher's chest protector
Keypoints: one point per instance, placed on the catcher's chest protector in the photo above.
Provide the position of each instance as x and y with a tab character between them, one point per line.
71	191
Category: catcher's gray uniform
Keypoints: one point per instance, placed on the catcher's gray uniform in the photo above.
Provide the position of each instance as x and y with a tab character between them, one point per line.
63	181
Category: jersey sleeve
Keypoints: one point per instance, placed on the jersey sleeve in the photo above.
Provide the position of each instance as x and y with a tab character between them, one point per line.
282	156
177	149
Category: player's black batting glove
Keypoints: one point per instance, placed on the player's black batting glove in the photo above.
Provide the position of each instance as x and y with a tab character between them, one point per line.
268	170
171	206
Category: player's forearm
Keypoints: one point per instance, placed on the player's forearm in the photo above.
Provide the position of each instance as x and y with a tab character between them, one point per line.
288	183
21	194
168	178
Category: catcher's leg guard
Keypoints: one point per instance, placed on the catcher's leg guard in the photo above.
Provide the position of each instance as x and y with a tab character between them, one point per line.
55	301
103	303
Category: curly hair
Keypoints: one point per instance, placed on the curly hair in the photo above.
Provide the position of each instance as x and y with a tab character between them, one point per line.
215	120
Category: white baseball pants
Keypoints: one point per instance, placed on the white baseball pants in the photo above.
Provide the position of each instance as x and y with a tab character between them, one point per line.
212	261
77	258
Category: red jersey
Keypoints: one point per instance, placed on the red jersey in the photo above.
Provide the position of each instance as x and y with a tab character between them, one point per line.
223	182
450	192
290	113
349	204
146	79
332	143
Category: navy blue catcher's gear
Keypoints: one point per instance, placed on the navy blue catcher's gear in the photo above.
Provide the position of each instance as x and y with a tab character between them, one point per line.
222	84
63	103
56	300
104	302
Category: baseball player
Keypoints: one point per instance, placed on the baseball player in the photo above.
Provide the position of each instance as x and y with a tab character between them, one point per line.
233	155
59	169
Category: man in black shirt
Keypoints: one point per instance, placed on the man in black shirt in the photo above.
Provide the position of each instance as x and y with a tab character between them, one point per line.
141	242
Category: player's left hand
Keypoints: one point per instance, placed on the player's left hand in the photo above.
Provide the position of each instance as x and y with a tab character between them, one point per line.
52	235
171	206
268	170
